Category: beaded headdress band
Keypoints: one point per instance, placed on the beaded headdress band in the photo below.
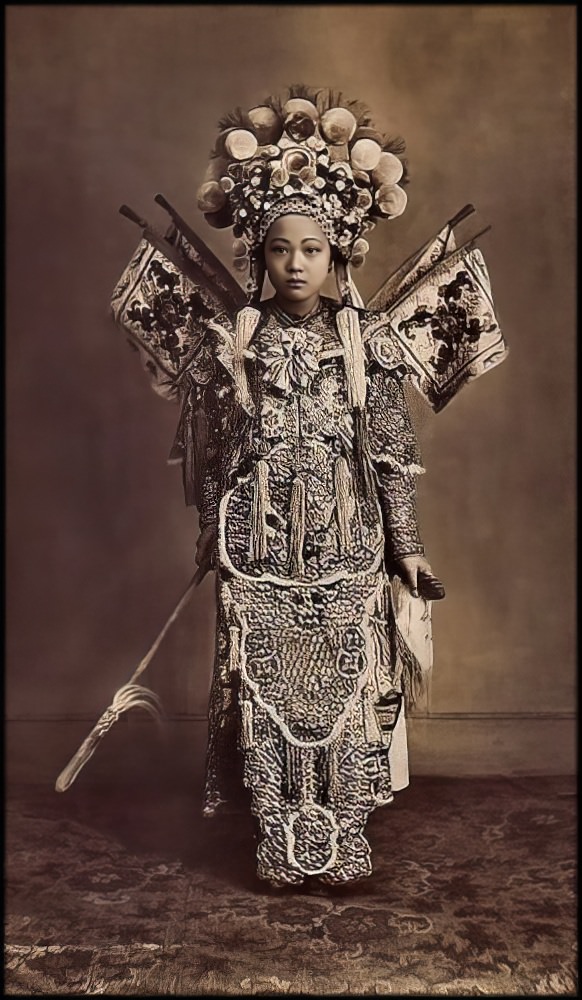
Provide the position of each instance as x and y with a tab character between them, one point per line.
316	154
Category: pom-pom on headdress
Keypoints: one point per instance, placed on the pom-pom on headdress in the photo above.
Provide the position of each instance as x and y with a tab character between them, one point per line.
314	154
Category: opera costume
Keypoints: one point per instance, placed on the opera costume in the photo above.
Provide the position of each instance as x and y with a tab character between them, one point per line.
297	446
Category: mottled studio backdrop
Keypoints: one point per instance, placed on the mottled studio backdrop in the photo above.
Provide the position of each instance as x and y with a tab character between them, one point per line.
111	104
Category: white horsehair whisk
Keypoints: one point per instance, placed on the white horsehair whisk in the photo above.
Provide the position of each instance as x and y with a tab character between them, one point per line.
131	695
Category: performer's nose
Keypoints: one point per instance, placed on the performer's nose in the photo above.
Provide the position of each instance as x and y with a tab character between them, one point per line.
294	263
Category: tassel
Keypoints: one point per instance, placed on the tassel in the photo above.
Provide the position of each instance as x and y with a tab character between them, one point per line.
292	787
361	452
307	761
260	530
348	326
331	777
300	774
326	774
372	731
345	505
297	535
234	649
246	324
247	724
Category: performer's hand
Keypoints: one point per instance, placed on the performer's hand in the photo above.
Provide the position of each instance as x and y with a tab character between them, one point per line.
416	573
206	546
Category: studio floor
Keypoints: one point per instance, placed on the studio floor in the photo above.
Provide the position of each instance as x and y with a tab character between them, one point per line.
128	890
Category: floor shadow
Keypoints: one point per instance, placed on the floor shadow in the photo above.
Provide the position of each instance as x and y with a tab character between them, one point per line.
162	816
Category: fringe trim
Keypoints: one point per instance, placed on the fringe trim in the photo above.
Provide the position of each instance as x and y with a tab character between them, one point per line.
297	535
343	498
412	678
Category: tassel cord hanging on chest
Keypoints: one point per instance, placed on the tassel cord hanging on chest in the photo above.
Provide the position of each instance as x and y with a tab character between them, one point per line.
297	530
348	326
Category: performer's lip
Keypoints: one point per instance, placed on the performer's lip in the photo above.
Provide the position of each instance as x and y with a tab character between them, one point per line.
296	282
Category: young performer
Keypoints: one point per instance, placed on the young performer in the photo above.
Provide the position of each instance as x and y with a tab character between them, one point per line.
299	452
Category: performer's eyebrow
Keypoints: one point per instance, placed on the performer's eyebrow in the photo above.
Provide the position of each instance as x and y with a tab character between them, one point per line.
306	239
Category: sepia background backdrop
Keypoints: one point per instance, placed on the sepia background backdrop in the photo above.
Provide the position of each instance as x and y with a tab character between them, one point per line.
111	104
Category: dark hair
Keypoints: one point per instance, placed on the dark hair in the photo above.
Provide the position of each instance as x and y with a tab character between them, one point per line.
336	254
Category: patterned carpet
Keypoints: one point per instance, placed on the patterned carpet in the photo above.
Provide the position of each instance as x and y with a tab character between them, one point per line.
129	891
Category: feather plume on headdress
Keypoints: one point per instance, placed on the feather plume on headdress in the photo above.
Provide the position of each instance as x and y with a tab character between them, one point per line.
234	119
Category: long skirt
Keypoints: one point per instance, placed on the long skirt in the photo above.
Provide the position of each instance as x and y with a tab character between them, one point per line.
307	696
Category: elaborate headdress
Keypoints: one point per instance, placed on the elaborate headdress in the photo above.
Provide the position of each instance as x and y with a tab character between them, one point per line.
315	154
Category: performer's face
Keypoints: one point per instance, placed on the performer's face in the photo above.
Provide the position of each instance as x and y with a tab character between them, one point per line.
297	258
